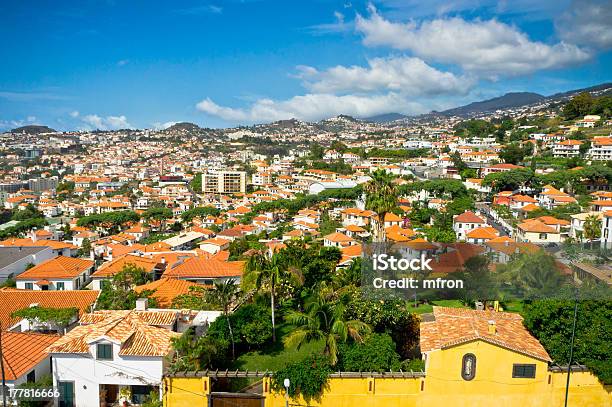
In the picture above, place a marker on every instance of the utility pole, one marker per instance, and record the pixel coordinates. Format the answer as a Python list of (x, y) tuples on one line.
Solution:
[(569, 366), (2, 368)]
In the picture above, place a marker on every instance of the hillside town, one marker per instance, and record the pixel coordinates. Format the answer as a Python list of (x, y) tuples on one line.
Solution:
[(139, 265)]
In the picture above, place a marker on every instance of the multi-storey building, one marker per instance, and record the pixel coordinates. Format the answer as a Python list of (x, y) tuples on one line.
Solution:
[(224, 182)]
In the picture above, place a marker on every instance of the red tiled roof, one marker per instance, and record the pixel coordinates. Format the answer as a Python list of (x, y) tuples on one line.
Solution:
[(12, 300), (21, 352), (456, 326), (206, 268), (59, 267)]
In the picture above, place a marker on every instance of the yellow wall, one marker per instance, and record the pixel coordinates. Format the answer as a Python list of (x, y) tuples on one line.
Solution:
[(186, 391), (443, 385)]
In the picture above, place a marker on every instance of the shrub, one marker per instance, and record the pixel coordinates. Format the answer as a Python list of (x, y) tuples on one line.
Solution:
[(308, 377), (376, 354)]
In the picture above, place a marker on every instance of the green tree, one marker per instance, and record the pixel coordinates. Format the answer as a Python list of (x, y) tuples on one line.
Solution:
[(324, 319), (578, 106), (512, 153), (158, 214), (592, 228), (307, 377), (375, 354), (551, 320), (381, 197), (266, 272), (536, 275), (316, 151), (120, 294), (224, 294), (85, 249)]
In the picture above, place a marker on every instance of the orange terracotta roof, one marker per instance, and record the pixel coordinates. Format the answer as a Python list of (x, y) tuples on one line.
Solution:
[(12, 300), (54, 244), (166, 289), (486, 233), (57, 268), (110, 268), (138, 335), (206, 268), (456, 326), (535, 226), (530, 208), (21, 352), (468, 217), (454, 260), (338, 237), (550, 220)]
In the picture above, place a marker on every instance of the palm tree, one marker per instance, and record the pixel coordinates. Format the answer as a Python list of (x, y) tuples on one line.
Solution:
[(324, 320), (266, 271), (223, 294), (381, 197), (592, 228)]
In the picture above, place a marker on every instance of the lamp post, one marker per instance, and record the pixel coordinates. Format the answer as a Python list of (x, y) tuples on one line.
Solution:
[(569, 365), (287, 383)]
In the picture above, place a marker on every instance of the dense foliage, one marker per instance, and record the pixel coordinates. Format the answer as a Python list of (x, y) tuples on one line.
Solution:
[(307, 377), (376, 354), (119, 292), (551, 322)]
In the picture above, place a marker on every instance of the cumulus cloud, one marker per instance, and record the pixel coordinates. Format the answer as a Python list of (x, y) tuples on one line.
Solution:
[(406, 75), (93, 121), (163, 126), (74, 113), (311, 107), (489, 47), (587, 23)]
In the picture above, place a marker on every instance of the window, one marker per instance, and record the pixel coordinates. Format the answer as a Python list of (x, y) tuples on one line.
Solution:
[(31, 377), (523, 371), (139, 393), (59, 286), (29, 286), (543, 236), (66, 394), (104, 351), (468, 366)]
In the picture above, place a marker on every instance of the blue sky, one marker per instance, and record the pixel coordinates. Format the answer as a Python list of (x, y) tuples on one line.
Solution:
[(110, 64)]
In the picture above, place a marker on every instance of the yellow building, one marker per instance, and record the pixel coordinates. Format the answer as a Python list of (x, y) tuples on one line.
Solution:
[(472, 358)]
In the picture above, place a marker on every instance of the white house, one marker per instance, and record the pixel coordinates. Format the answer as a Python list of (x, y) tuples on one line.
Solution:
[(59, 273), (25, 357), (466, 222), (14, 260), (215, 245), (113, 355)]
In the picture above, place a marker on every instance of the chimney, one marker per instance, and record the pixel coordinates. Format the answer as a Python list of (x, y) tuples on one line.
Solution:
[(163, 260), (492, 327), (142, 304)]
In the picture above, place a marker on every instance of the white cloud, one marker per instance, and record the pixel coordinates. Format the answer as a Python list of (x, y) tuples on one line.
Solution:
[(339, 25), (105, 123), (406, 75), (312, 107), (74, 113), (31, 119), (587, 23), (163, 126), (123, 62), (489, 47)]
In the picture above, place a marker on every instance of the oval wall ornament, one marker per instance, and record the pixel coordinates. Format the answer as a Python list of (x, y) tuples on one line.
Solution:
[(468, 366)]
